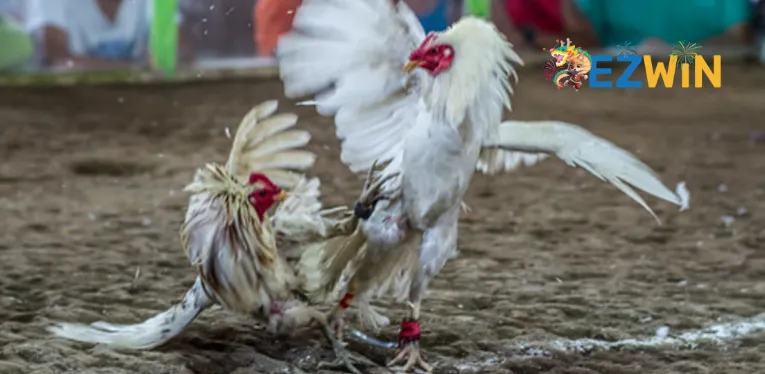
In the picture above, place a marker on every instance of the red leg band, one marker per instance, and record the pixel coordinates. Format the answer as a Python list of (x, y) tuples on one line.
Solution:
[(345, 302), (410, 332)]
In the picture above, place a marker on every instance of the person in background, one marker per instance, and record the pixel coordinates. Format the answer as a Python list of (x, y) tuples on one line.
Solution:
[(536, 24), (272, 19), (436, 15), (17, 45), (655, 25), (93, 34)]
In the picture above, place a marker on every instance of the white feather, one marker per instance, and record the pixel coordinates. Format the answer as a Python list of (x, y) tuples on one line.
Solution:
[(492, 161), (149, 334), (579, 147), (351, 53), (298, 217)]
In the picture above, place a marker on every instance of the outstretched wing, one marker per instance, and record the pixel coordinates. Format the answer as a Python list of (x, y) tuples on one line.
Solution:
[(349, 53), (494, 160), (267, 143), (579, 147)]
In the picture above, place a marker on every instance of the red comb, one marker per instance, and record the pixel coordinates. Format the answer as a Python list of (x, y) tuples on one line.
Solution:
[(258, 177), (429, 38)]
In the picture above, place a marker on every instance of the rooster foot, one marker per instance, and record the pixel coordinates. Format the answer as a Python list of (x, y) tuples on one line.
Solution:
[(409, 341), (372, 191), (343, 358), (410, 352)]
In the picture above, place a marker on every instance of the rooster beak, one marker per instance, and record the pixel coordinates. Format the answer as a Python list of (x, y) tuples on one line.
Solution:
[(411, 65), (281, 196)]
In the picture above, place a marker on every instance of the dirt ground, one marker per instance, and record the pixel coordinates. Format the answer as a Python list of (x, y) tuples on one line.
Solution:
[(90, 182)]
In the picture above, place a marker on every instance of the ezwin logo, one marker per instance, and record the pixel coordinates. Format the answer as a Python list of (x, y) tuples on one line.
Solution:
[(571, 66)]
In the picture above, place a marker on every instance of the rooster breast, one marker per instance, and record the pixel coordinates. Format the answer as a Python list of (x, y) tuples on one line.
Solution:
[(438, 162)]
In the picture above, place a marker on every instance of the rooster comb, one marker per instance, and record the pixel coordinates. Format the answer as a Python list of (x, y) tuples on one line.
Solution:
[(262, 178)]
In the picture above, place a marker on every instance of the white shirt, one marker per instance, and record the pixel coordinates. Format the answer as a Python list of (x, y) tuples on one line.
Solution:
[(90, 32)]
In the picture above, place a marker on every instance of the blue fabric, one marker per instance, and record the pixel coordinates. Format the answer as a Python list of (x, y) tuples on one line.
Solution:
[(618, 22), (438, 19), (113, 50)]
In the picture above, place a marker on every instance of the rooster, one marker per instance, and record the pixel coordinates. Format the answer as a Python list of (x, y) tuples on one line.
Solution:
[(248, 262), (430, 106)]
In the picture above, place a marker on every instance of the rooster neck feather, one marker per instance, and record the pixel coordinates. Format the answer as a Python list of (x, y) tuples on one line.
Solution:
[(241, 219), (480, 71)]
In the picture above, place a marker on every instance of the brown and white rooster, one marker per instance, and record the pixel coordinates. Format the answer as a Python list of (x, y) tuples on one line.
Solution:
[(432, 106), (249, 262)]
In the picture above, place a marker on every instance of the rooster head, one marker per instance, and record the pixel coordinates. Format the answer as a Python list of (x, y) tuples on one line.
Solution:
[(431, 55), (265, 195), (468, 62)]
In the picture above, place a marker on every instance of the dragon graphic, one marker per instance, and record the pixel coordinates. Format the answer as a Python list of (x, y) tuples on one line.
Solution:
[(568, 66)]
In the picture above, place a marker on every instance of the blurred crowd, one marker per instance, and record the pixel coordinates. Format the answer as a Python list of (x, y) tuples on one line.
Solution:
[(104, 34)]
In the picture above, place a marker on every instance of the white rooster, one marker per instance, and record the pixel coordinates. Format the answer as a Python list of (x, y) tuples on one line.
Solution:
[(248, 262), (435, 121)]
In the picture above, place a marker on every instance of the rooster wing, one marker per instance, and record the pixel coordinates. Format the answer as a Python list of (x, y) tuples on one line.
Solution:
[(579, 147), (350, 53)]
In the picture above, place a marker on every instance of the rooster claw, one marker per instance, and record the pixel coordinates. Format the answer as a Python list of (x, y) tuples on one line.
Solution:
[(374, 182), (410, 352), (346, 361), (372, 192), (343, 358)]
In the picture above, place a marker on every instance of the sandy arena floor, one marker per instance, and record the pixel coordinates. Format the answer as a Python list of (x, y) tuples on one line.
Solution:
[(90, 184)]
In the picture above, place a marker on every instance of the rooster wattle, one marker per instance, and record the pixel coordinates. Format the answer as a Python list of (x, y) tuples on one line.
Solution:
[(436, 121), (249, 262)]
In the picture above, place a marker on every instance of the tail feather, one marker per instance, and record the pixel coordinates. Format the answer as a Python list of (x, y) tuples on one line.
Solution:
[(149, 334)]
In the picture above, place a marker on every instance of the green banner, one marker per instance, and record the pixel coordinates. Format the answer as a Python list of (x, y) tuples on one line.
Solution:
[(479, 8), (17, 45), (164, 36)]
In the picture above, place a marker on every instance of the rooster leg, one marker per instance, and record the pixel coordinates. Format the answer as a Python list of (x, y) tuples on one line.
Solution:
[(337, 315), (438, 243), (409, 342), (343, 358)]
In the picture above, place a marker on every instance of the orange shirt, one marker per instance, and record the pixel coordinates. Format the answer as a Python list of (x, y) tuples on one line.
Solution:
[(272, 19)]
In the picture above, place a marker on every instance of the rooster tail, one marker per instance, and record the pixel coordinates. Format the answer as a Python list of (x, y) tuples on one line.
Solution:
[(323, 264), (267, 143), (149, 334)]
